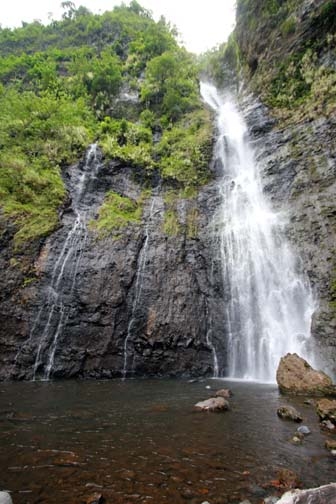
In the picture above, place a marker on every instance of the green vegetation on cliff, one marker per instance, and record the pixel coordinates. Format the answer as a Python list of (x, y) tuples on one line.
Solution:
[(287, 49), (60, 89), (116, 213)]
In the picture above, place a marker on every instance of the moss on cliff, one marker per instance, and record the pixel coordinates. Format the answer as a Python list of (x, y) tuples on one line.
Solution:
[(288, 55), (116, 213)]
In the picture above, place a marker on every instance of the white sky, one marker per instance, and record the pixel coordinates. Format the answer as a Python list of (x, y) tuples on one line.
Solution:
[(201, 23)]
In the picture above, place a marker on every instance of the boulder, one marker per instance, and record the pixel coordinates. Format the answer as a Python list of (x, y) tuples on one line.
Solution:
[(226, 393), (322, 495), (330, 444), (5, 498), (289, 413), (296, 376), (213, 404), (326, 409)]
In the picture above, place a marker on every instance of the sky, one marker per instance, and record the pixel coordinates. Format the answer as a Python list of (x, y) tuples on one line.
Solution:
[(202, 24)]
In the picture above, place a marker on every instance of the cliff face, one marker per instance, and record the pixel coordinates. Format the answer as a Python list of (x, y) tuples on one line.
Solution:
[(135, 302), (291, 66)]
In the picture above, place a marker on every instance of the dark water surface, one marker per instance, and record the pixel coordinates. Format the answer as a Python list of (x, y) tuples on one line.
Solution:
[(140, 441)]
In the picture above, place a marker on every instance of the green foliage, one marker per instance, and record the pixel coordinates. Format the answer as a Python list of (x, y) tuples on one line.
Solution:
[(192, 223), (288, 26), (222, 64), (294, 77), (184, 150), (171, 84), (182, 154), (126, 141), (171, 225), (116, 213), (303, 84), (38, 134), (59, 87)]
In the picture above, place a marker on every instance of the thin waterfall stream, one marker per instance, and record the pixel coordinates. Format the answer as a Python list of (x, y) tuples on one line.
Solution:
[(54, 313), (138, 287), (270, 303)]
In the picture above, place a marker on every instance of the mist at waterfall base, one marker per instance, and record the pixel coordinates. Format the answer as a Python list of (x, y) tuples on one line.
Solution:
[(140, 441), (270, 304)]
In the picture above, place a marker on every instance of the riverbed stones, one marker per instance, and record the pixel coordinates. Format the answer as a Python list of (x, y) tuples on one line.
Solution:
[(226, 393), (272, 499), (330, 444), (212, 404), (325, 494), (95, 498), (5, 498), (288, 479), (297, 439), (303, 429), (326, 409), (289, 413), (328, 426), (295, 376)]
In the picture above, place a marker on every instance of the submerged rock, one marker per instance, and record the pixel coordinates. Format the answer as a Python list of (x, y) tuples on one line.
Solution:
[(95, 498), (327, 425), (297, 439), (288, 478), (296, 376), (322, 495), (289, 413), (272, 499), (226, 393), (212, 404), (330, 444), (303, 429), (326, 409)]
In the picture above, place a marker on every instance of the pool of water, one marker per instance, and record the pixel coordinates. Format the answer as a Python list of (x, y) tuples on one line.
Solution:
[(139, 441)]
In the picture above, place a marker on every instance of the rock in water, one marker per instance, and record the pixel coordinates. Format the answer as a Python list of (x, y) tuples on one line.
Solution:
[(326, 409), (330, 444), (5, 498), (212, 404), (289, 413), (226, 393), (322, 495), (288, 479), (296, 376), (303, 429)]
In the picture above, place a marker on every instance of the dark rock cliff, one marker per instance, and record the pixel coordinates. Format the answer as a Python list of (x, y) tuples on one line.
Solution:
[(135, 303)]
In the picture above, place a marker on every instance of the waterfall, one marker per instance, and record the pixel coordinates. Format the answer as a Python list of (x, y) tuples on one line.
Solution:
[(269, 306), (56, 309), (138, 285)]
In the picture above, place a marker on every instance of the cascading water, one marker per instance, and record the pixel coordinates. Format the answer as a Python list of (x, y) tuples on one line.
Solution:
[(270, 304), (54, 314), (138, 286)]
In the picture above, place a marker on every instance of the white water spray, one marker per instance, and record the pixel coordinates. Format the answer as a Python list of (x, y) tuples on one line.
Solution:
[(270, 305)]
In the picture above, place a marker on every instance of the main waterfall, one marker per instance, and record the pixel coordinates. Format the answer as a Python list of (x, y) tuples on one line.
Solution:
[(269, 306)]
